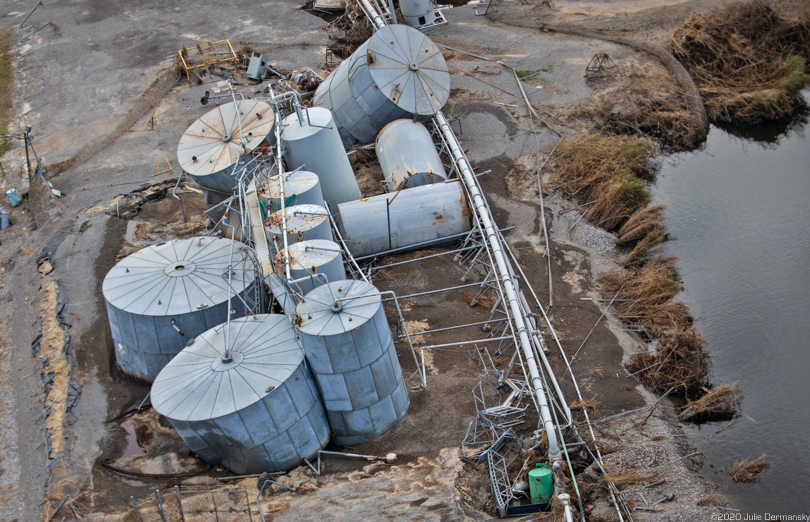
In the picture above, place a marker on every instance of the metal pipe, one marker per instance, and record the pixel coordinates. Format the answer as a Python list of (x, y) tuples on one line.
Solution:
[(460, 343), (180, 503), (426, 332), (481, 208), (373, 15), (174, 193), (29, 14), (59, 507), (34, 94), (415, 245), (26, 82)]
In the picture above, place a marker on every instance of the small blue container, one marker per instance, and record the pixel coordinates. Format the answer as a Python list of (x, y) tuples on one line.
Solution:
[(12, 196), (3, 219)]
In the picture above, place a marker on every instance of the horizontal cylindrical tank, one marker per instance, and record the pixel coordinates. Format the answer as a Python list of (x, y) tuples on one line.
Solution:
[(216, 147), (418, 217), (397, 73), (255, 409), (417, 12), (301, 187), (304, 222), (312, 141), (406, 153), (349, 347), (308, 258), (162, 296)]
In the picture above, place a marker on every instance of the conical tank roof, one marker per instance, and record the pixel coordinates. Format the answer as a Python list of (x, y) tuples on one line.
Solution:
[(223, 135), (199, 384), (338, 307), (408, 69), (178, 277)]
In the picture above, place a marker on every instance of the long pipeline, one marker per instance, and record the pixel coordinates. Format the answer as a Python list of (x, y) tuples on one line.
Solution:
[(481, 208)]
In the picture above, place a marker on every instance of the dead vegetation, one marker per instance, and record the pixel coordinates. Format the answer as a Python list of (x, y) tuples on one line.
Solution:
[(722, 403), (748, 62), (611, 172), (347, 34), (645, 103), (749, 470), (645, 294), (626, 479), (679, 362)]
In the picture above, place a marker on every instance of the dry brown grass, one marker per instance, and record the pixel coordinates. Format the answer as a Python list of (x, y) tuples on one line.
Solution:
[(719, 404), (749, 470), (626, 479), (649, 104), (610, 170), (589, 404), (641, 224), (648, 291), (680, 362), (748, 62)]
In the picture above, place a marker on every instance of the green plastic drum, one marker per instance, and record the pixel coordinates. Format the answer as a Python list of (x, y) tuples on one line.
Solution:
[(540, 484)]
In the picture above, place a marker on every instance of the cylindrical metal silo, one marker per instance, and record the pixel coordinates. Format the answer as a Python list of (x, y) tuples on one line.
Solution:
[(407, 153), (301, 187), (417, 217), (252, 410), (311, 140), (417, 12), (216, 147), (308, 258), (162, 296), (304, 222), (397, 73), (349, 347)]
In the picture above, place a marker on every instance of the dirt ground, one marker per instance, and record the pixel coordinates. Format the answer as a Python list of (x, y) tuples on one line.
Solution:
[(84, 233)]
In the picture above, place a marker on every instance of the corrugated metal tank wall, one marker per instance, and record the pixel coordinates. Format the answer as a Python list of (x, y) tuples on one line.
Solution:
[(312, 141), (308, 258), (407, 155), (301, 187), (257, 412), (397, 73), (304, 222), (349, 347), (419, 216), (162, 290)]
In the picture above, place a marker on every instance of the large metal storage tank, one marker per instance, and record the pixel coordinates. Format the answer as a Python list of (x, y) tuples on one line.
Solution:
[(417, 12), (397, 73), (308, 258), (349, 347), (256, 409), (181, 286), (417, 217), (406, 153), (304, 222), (301, 187), (312, 141), (216, 147)]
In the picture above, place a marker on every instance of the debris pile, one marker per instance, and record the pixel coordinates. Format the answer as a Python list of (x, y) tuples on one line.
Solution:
[(719, 404), (748, 62), (749, 470)]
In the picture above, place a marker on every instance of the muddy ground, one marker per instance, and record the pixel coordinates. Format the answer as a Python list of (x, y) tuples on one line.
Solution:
[(104, 59)]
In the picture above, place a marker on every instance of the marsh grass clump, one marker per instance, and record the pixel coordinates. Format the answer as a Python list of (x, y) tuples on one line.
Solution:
[(748, 62), (646, 293), (749, 470), (679, 361), (610, 170), (721, 403)]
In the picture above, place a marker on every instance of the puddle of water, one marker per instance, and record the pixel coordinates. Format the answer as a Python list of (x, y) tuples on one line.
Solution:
[(138, 437)]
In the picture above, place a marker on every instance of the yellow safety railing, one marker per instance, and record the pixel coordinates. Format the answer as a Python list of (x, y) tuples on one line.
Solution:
[(210, 53)]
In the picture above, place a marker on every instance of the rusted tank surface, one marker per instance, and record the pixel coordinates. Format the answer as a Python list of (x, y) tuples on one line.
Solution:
[(416, 217), (301, 187), (216, 147), (304, 222), (407, 156), (308, 260)]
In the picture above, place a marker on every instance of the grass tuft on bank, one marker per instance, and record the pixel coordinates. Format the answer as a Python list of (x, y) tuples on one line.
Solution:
[(748, 62)]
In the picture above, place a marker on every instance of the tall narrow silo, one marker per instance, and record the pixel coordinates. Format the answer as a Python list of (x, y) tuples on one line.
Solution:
[(349, 347), (304, 222), (215, 148), (164, 295), (252, 408), (414, 217), (309, 258), (301, 187), (397, 73), (312, 141), (407, 155)]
